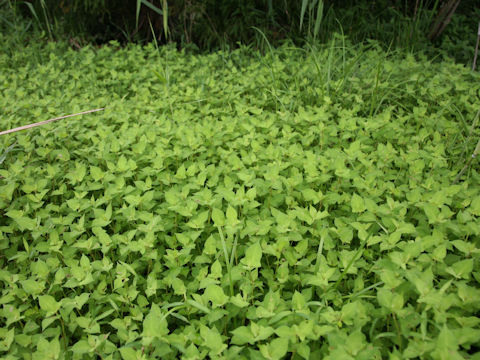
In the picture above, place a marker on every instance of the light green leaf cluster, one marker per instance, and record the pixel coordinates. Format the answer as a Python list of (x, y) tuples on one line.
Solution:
[(296, 204)]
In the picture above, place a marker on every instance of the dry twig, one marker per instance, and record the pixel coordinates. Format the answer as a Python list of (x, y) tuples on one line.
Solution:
[(25, 127)]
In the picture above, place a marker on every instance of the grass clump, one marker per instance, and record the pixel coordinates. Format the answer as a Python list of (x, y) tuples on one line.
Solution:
[(294, 204)]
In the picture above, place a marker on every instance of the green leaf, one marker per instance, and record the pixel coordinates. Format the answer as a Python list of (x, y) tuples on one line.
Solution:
[(475, 206), (48, 304), (231, 216), (46, 322), (432, 213), (461, 269), (81, 347), (128, 353), (303, 350), (357, 203), (215, 294), (14, 214), (276, 349), (390, 300), (298, 301), (25, 223), (212, 339), (7, 340), (32, 287), (253, 256), (218, 217), (199, 220), (155, 324), (237, 300), (96, 173), (260, 332), (446, 344), (178, 287), (242, 335)]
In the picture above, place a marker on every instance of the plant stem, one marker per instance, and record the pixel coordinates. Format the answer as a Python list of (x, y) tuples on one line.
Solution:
[(227, 262), (474, 65)]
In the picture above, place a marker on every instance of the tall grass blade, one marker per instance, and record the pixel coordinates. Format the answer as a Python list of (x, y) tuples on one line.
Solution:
[(317, 66), (47, 21), (233, 254), (270, 10), (319, 254), (165, 18), (199, 306), (329, 70), (9, 149), (264, 38), (159, 11), (151, 6), (32, 10), (137, 13), (155, 42), (318, 19), (302, 12)]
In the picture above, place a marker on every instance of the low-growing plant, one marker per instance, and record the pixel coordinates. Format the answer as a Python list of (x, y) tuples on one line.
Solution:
[(298, 205)]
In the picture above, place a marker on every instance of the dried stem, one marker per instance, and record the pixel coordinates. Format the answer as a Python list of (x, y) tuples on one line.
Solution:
[(443, 18), (25, 127), (476, 49)]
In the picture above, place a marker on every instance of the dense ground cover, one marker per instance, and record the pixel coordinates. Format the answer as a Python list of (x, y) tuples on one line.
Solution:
[(297, 204)]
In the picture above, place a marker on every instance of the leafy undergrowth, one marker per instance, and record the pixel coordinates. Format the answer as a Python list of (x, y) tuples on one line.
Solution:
[(233, 205)]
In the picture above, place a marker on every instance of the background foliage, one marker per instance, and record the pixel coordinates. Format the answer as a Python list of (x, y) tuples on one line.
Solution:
[(213, 24)]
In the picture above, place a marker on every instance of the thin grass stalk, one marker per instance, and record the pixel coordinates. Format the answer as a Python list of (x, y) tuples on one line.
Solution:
[(165, 18), (329, 69), (34, 13), (319, 254), (9, 149), (47, 21), (363, 291), (467, 165), (374, 91), (302, 12), (317, 66), (137, 13)]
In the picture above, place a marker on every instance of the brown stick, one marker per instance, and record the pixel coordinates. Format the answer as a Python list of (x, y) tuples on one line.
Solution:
[(448, 18), (414, 17), (47, 121), (440, 16), (474, 65), (443, 18)]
